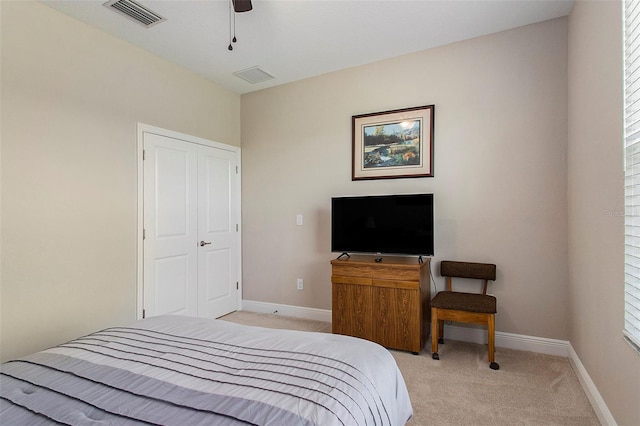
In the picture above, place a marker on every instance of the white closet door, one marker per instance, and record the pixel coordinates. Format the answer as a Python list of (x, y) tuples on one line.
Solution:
[(170, 212), (217, 221)]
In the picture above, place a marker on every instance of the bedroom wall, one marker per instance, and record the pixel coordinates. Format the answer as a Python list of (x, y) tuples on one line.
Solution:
[(71, 99), (500, 169), (596, 207)]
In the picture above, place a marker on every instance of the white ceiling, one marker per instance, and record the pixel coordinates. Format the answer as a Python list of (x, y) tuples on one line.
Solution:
[(296, 39)]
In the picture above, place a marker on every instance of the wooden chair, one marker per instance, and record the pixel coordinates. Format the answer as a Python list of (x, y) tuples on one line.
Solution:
[(474, 308)]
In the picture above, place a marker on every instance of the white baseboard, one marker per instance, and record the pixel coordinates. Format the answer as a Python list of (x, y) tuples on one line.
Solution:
[(286, 310), (519, 342), (598, 404), (466, 334)]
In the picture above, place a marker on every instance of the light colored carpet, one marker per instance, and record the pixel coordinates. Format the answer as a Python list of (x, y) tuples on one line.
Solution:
[(461, 389)]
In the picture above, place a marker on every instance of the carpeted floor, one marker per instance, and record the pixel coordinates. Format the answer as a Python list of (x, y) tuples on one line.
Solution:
[(461, 389)]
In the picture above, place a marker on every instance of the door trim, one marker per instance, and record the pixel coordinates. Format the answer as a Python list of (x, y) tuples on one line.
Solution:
[(141, 130)]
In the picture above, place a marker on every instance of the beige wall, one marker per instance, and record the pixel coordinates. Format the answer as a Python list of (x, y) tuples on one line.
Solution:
[(71, 98), (596, 207), (500, 169)]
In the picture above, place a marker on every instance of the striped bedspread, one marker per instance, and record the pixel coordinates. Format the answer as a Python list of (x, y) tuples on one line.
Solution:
[(174, 370)]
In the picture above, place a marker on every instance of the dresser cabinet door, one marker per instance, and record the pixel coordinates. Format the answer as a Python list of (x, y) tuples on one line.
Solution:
[(352, 304), (396, 323)]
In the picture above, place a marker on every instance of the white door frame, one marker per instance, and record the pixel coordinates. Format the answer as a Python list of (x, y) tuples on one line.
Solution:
[(145, 128)]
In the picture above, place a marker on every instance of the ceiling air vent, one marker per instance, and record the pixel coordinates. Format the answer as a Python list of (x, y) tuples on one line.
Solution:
[(254, 75), (136, 11)]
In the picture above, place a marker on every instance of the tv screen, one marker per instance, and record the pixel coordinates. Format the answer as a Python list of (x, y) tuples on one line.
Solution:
[(388, 224)]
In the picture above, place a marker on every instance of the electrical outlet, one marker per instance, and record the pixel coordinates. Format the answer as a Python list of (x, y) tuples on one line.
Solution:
[(300, 284), (299, 219)]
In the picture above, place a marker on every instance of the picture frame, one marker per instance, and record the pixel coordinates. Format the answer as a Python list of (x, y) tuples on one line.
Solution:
[(393, 144)]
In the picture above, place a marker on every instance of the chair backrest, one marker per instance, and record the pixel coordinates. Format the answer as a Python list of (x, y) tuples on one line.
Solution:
[(482, 271)]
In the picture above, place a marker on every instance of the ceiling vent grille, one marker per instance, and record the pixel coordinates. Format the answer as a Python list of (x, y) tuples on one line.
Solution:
[(135, 11), (254, 75)]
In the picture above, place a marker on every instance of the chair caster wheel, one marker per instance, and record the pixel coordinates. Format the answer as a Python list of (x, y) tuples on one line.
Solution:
[(435, 355), (494, 366), (441, 341)]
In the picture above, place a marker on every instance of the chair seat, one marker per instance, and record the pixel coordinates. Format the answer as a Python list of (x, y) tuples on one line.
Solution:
[(471, 302)]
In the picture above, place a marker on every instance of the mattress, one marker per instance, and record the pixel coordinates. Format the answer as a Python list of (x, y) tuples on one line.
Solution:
[(175, 370)]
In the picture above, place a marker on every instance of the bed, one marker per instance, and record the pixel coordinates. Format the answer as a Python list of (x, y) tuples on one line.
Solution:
[(175, 370)]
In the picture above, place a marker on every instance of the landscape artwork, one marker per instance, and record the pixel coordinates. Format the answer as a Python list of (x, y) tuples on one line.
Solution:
[(393, 144)]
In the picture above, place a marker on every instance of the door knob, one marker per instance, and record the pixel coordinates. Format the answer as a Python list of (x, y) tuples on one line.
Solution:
[(203, 243)]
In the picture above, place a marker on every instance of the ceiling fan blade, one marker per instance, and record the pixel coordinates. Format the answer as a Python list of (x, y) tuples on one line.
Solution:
[(242, 5)]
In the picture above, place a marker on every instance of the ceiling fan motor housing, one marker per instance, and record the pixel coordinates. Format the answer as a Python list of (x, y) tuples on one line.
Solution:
[(242, 5)]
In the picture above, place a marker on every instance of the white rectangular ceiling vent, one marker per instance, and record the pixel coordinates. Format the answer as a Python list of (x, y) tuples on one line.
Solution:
[(254, 75), (135, 11)]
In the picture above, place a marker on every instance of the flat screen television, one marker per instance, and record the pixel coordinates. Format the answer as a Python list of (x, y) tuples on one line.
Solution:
[(385, 224)]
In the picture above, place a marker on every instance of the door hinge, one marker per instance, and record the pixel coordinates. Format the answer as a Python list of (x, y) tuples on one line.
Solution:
[(144, 234), (236, 169), (236, 227), (144, 154), (237, 285), (144, 313)]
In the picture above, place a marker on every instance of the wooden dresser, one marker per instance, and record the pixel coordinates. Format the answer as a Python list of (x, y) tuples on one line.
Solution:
[(387, 302)]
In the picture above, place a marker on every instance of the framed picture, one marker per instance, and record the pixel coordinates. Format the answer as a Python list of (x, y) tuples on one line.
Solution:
[(393, 144)]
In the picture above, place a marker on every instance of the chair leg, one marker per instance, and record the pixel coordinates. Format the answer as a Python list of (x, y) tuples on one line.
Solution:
[(441, 332), (491, 326), (434, 333)]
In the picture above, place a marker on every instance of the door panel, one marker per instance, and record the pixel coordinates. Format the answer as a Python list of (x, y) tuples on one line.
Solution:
[(217, 262), (351, 313), (170, 252), (217, 275), (172, 291), (217, 193), (396, 316), (173, 181)]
